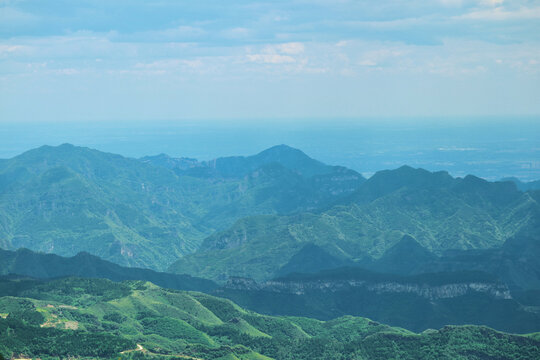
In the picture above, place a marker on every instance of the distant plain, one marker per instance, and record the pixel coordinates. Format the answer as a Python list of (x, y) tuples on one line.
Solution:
[(491, 148)]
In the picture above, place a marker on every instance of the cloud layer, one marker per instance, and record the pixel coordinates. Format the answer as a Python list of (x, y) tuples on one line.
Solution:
[(98, 59)]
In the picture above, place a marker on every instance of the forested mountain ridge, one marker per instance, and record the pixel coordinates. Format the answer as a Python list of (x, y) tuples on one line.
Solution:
[(68, 199), (25, 262), (524, 186), (417, 302), (99, 319), (439, 211), (516, 263), (240, 166), (446, 290)]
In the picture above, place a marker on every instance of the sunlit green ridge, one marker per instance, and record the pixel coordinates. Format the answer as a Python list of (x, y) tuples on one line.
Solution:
[(65, 318)]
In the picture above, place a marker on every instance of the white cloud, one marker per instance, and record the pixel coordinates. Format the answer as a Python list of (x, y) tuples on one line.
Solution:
[(10, 16), (377, 56), (491, 2), (67, 71), (11, 49), (367, 62), (501, 14), (236, 33), (171, 66), (291, 48), (270, 58), (285, 53), (451, 3)]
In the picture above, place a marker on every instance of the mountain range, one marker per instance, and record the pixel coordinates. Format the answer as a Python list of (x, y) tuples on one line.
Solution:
[(441, 212), (461, 295), (278, 233), (143, 212), (49, 266)]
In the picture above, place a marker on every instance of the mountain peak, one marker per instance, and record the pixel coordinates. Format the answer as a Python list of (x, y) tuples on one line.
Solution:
[(283, 153), (286, 156), (282, 149), (65, 150), (292, 159), (523, 186), (404, 256), (61, 147), (311, 259), (407, 243), (388, 181)]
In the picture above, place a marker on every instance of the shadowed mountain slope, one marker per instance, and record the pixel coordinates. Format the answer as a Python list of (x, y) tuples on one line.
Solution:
[(440, 212), (312, 259), (417, 302), (43, 266), (524, 186)]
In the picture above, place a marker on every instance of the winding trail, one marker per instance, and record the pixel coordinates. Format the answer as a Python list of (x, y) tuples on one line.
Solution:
[(145, 351)]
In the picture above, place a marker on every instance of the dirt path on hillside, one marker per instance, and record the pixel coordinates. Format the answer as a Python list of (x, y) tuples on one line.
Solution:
[(145, 351)]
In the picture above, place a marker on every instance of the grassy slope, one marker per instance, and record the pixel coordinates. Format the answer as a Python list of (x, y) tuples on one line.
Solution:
[(201, 326)]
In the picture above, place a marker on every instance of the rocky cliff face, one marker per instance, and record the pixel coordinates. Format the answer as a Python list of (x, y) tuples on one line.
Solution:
[(444, 291)]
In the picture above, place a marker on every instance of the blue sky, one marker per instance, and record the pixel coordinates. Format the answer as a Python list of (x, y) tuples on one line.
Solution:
[(98, 60)]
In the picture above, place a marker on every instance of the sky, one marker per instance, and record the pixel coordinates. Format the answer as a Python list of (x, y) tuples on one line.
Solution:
[(103, 60)]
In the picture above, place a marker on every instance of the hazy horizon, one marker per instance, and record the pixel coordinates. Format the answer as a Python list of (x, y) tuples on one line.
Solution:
[(492, 150), (445, 85)]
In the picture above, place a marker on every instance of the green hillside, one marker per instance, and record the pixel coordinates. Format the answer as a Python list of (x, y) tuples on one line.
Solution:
[(439, 211), (92, 318), (442, 292), (69, 199)]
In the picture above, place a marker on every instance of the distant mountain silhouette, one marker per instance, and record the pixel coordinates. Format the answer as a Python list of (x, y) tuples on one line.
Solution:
[(524, 186), (44, 266)]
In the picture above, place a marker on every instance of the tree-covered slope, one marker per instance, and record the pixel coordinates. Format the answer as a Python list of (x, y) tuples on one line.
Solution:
[(458, 294), (516, 263), (99, 319), (417, 302), (44, 266), (240, 166), (524, 186), (69, 199), (439, 211)]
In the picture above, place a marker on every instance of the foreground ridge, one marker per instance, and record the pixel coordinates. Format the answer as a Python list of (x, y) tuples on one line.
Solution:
[(70, 317)]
